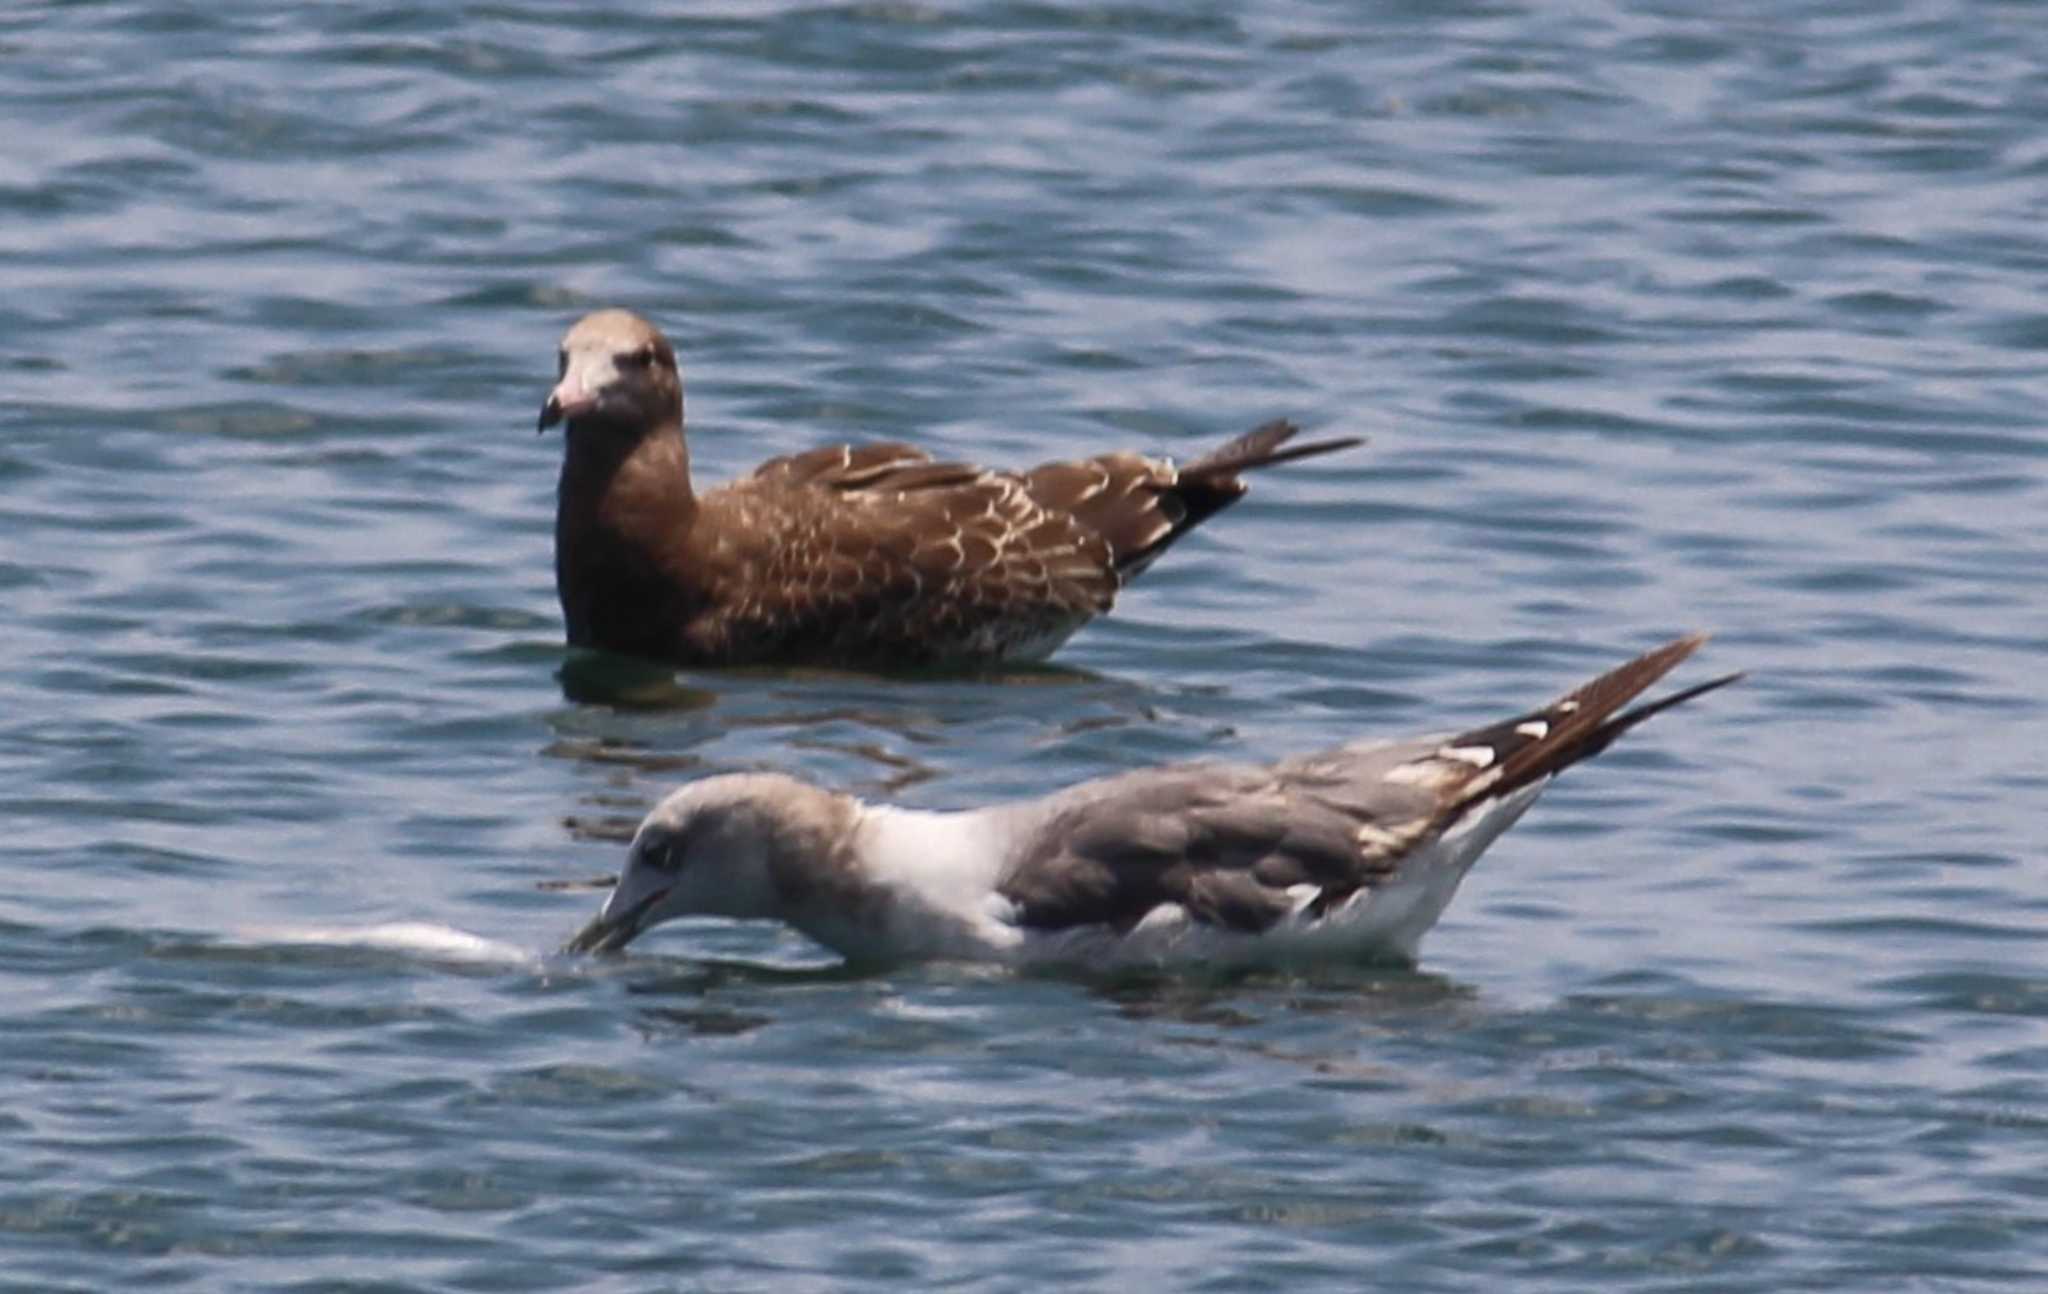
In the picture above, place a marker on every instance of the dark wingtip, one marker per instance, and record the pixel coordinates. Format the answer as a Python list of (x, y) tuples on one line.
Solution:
[(1587, 720), (1261, 447), (1310, 450), (1630, 718)]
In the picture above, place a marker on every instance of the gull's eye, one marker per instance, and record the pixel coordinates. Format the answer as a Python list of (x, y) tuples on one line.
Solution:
[(663, 855), (637, 359), (561, 363)]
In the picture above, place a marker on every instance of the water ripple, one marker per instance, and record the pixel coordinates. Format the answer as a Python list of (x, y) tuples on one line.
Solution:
[(1657, 319)]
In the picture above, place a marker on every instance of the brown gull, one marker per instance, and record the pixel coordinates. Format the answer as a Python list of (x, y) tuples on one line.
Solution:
[(1349, 854), (869, 556)]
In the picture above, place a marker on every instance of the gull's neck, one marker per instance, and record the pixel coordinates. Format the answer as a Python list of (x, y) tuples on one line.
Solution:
[(912, 884), (612, 479), (623, 516)]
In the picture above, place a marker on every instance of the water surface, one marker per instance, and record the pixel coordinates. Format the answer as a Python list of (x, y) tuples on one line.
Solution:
[(1658, 319)]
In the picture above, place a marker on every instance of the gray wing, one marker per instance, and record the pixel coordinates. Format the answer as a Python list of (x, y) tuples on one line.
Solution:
[(1231, 844), (1227, 843)]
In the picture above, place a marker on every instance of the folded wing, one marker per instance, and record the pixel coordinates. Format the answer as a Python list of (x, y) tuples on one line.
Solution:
[(1234, 846)]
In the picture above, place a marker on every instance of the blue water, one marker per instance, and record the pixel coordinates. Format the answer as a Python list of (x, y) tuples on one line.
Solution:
[(1659, 318)]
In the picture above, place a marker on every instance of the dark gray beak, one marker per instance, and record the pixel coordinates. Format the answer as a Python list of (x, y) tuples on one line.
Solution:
[(609, 931)]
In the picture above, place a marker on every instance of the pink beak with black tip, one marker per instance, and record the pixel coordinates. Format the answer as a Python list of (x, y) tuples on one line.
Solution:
[(567, 402)]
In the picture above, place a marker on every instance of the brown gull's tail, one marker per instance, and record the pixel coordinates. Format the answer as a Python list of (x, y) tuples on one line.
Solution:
[(1142, 506)]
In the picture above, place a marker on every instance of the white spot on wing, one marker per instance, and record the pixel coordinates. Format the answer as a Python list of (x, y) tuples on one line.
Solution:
[(1534, 728), (1429, 773), (1159, 531), (1476, 756), (1381, 839), (1164, 917)]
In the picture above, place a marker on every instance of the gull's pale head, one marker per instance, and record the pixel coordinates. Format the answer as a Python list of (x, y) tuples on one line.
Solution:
[(720, 847), (616, 370)]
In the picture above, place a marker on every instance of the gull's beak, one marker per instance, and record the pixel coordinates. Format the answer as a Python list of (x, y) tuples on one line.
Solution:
[(618, 923), (569, 399)]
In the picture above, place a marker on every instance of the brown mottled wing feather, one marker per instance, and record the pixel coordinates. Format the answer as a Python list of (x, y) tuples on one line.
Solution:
[(839, 466), (1140, 506), (1227, 843), (877, 553)]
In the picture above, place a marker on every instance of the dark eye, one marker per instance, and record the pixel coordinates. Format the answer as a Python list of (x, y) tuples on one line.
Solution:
[(561, 364), (638, 359), (664, 853)]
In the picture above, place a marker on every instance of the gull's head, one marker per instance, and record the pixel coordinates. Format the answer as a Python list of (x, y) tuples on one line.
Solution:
[(616, 370), (720, 847)]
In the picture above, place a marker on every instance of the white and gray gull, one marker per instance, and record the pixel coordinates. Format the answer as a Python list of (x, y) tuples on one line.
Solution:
[(1349, 854)]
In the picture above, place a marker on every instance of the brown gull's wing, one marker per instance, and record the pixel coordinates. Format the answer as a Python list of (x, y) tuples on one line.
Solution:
[(1141, 506), (840, 467), (878, 550)]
